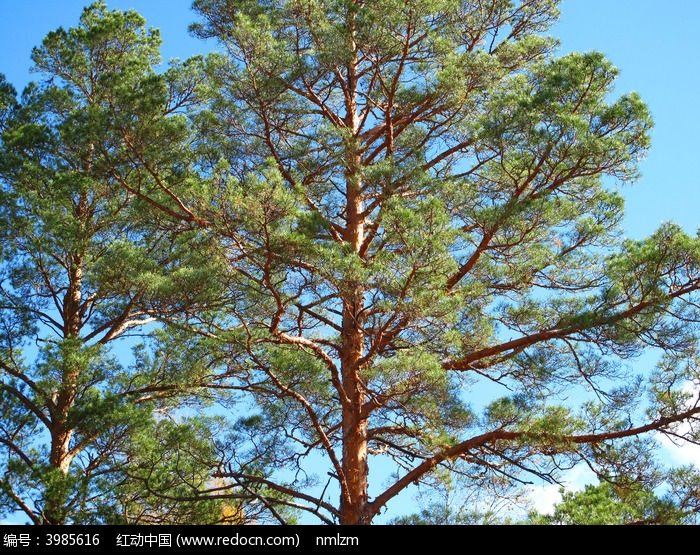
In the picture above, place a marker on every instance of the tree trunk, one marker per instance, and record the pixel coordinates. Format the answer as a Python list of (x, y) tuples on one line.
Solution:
[(57, 492), (353, 502)]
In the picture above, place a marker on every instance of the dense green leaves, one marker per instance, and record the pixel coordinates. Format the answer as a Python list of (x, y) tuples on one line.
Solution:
[(610, 504), (84, 265)]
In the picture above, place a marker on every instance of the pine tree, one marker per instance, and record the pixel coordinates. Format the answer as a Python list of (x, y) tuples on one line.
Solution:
[(419, 204), (83, 265)]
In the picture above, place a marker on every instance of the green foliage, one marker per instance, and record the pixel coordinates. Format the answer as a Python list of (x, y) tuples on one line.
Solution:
[(417, 202), (163, 478), (609, 504), (83, 264)]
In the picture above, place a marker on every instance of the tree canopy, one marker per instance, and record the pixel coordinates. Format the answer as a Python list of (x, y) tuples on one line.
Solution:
[(382, 237), (83, 266)]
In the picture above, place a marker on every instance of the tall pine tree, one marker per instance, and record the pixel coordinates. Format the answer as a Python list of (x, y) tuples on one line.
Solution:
[(418, 203), (84, 265)]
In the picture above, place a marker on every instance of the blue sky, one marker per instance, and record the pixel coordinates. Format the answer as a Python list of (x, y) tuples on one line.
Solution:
[(655, 45)]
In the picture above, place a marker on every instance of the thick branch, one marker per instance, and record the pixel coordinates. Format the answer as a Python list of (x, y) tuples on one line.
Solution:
[(279, 488), (21, 454), (517, 345), (504, 435), (28, 403), (22, 505)]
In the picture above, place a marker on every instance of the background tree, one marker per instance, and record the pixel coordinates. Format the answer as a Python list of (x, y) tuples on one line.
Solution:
[(82, 266), (447, 498), (634, 488), (417, 203), (607, 504)]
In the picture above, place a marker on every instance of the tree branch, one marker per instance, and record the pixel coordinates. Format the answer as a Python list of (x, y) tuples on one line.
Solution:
[(517, 345), (279, 488), (504, 435), (22, 505)]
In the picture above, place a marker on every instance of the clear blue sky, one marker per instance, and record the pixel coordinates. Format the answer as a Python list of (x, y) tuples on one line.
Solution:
[(655, 44)]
